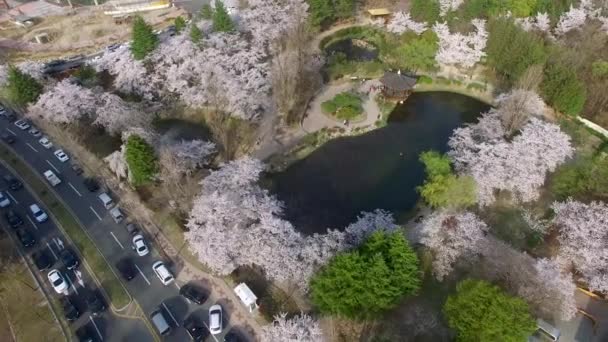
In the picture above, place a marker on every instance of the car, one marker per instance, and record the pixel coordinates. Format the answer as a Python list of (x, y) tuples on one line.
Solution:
[(4, 201), (70, 310), (42, 260), (62, 156), (159, 320), (91, 184), (77, 169), (51, 177), (12, 182), (8, 138), (126, 267), (196, 329), (14, 220), (45, 142), (194, 293), (132, 228), (22, 124), (87, 333), (95, 302), (69, 259), (26, 238), (34, 131), (58, 281), (233, 336), (38, 213), (139, 244), (215, 319), (54, 63), (163, 273)]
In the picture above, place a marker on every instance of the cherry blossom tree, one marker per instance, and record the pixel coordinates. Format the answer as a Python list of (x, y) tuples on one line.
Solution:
[(516, 107), (116, 115), (65, 103), (541, 22), (402, 21), (451, 236), (571, 20), (302, 328), (583, 232), (463, 50), (117, 163), (32, 68), (185, 156), (3, 75), (446, 6)]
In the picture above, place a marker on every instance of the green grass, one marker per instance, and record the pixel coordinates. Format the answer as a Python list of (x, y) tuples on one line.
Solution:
[(386, 108), (102, 271)]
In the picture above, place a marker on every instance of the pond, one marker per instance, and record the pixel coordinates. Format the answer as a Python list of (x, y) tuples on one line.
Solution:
[(353, 50), (178, 129), (379, 169)]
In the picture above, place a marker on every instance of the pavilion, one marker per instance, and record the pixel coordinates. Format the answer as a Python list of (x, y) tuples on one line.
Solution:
[(396, 86)]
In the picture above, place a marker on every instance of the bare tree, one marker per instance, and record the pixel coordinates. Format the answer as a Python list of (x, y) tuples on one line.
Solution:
[(531, 78)]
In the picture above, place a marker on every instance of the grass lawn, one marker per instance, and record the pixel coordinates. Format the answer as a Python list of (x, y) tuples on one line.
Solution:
[(113, 287)]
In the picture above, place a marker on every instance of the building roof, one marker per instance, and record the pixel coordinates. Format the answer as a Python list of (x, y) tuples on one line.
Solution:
[(378, 11), (397, 81)]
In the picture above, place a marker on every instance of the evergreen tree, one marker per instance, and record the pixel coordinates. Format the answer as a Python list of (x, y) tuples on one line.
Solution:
[(221, 19), (144, 39), (207, 12), (141, 160), (320, 12), (195, 34), (344, 8), (562, 89), (180, 24), (22, 88)]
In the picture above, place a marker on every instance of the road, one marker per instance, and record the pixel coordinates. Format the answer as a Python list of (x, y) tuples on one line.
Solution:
[(111, 238)]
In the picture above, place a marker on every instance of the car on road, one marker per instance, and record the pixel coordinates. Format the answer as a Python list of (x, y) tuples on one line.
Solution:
[(58, 281), (62, 156), (34, 131), (215, 319), (95, 302), (106, 200), (26, 237), (14, 220), (91, 184), (196, 329), (69, 259), (42, 260), (132, 228), (163, 273), (12, 182), (70, 310), (194, 293), (159, 320), (77, 169), (8, 138), (139, 244), (4, 201), (22, 124), (51, 177), (126, 267), (45, 142), (116, 214), (38, 213)]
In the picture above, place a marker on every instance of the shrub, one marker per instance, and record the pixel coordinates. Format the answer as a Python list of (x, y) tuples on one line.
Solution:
[(328, 107), (425, 10), (562, 89), (476, 86), (585, 178), (425, 79), (179, 23)]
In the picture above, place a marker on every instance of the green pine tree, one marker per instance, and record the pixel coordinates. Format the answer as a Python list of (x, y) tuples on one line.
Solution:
[(195, 34), (321, 12), (22, 88), (141, 160), (144, 39), (221, 19), (179, 23), (207, 12)]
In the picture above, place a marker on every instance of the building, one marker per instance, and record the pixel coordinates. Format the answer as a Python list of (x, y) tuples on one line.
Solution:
[(121, 7), (396, 86), (379, 14)]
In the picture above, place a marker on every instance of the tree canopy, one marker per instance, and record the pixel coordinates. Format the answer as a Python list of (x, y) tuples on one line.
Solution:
[(195, 34), (364, 282), (419, 53), (562, 89), (324, 12), (480, 311), (207, 12), (144, 39), (141, 160), (22, 88), (179, 23), (221, 19)]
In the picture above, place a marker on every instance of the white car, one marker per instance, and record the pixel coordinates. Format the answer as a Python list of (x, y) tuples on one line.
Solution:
[(163, 273), (35, 132), (4, 201), (38, 213), (139, 244), (58, 281), (215, 319), (22, 124), (62, 156), (45, 142)]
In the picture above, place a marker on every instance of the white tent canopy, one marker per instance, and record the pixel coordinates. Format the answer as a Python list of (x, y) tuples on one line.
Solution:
[(246, 296)]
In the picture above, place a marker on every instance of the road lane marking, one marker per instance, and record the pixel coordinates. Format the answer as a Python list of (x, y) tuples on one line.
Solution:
[(32, 147), (142, 274), (73, 188), (116, 239), (13, 133), (11, 196), (96, 328), (58, 243), (71, 284), (175, 283), (31, 221), (53, 166), (53, 252), (96, 214), (170, 314)]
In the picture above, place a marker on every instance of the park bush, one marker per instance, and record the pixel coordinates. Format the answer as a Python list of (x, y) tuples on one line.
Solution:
[(476, 86), (425, 79), (323, 13), (583, 179), (345, 106), (562, 89), (425, 10)]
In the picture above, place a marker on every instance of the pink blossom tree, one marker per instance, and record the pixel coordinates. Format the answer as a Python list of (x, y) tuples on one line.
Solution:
[(302, 328), (116, 115), (446, 6), (65, 103), (3, 75), (32, 68), (571, 20), (117, 163), (459, 49), (402, 21)]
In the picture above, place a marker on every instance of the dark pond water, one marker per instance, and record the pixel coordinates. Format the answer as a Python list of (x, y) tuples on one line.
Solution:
[(182, 129), (379, 169), (355, 50)]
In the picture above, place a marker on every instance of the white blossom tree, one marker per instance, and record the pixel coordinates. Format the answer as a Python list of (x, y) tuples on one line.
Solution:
[(402, 21), (3, 75), (185, 156), (540, 22), (571, 20), (302, 328), (117, 163), (516, 107), (32, 68), (115, 115), (459, 49), (65, 103), (446, 6)]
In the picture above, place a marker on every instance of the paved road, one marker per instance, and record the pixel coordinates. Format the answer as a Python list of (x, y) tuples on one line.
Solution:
[(112, 239)]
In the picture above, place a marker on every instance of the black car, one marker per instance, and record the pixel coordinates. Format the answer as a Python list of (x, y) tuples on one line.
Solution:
[(194, 293), (197, 331), (42, 260), (12, 182), (8, 138), (95, 302), (233, 336), (69, 309), (91, 184), (14, 220), (87, 333), (126, 267), (69, 259), (26, 237)]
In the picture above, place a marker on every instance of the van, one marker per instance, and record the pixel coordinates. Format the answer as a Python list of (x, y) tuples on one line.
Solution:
[(160, 322), (162, 272), (116, 215), (106, 200)]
